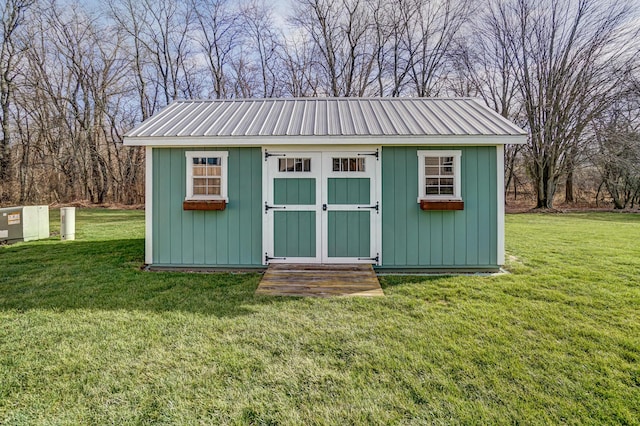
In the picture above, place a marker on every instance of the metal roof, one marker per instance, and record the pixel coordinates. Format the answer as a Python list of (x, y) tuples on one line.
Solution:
[(329, 117)]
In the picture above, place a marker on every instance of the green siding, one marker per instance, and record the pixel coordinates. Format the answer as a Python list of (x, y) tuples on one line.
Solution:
[(348, 190), (349, 234), (439, 239), (410, 237), (294, 191), (229, 237), (294, 234)]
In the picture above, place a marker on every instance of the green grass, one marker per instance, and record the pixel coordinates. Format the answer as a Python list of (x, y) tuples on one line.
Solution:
[(88, 338)]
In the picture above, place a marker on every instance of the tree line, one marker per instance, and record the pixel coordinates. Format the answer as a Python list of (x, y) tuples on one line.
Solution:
[(75, 77)]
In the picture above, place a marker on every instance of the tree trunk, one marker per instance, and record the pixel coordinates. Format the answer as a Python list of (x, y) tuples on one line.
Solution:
[(568, 189), (5, 160), (546, 188)]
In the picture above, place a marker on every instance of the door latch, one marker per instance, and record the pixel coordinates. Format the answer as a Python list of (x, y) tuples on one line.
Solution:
[(268, 207), (376, 207), (268, 258), (324, 207)]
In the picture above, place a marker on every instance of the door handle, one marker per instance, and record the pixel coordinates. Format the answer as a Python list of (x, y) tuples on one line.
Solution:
[(324, 207), (376, 207), (268, 207)]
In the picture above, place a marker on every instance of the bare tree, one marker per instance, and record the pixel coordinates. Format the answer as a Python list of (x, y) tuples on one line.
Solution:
[(568, 57), (616, 148), (485, 69), (219, 35), (264, 44), (298, 57), (10, 55), (431, 34), (343, 32)]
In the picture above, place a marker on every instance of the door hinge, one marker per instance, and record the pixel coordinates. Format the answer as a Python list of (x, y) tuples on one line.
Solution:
[(373, 154), (376, 259), (268, 207), (267, 154), (267, 258), (376, 207)]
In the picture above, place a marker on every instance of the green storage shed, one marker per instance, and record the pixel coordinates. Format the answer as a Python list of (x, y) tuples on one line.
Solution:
[(406, 184)]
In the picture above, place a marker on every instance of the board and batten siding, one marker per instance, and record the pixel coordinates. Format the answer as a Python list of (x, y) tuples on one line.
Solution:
[(231, 237), (413, 238)]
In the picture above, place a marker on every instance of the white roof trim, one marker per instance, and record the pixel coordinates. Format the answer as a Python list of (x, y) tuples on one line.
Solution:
[(323, 140)]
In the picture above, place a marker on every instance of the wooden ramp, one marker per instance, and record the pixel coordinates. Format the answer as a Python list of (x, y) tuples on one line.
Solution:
[(319, 280)]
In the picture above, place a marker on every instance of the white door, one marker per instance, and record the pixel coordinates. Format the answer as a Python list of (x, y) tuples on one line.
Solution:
[(351, 207), (292, 207)]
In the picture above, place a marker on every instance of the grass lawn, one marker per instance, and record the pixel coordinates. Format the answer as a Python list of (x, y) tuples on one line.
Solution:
[(87, 338)]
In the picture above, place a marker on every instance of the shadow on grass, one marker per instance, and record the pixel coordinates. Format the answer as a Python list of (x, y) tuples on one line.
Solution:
[(389, 281), (106, 275)]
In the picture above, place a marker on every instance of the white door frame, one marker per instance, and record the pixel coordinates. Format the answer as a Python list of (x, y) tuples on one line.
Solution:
[(270, 157)]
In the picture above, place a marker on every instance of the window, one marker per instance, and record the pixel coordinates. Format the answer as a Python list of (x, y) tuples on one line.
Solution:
[(207, 175), (348, 164), (439, 175), (294, 165)]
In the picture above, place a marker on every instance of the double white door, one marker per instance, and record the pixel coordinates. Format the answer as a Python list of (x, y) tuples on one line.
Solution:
[(322, 207)]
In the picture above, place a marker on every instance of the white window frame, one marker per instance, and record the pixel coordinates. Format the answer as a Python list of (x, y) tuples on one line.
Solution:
[(224, 156), (457, 155)]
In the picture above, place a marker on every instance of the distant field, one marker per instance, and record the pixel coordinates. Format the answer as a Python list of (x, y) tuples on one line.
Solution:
[(88, 338)]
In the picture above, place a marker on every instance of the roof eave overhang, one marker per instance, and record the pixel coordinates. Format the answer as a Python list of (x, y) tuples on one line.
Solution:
[(183, 141)]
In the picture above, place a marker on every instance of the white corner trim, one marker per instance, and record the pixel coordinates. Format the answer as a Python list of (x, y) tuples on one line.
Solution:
[(500, 197), (267, 225), (378, 217), (148, 206)]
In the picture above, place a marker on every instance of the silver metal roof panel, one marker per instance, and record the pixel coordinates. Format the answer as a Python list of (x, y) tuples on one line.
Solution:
[(347, 117)]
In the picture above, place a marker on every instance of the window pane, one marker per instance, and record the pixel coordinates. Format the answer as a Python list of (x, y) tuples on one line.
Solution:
[(432, 161), (433, 181), (446, 181), (431, 171), (294, 164), (354, 164), (446, 190), (198, 170), (432, 190)]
